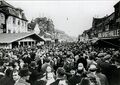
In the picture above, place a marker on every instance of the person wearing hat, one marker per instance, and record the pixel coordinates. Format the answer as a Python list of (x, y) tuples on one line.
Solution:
[(102, 77), (44, 66), (115, 72), (41, 80), (24, 75), (34, 72), (94, 79), (60, 77), (75, 79)]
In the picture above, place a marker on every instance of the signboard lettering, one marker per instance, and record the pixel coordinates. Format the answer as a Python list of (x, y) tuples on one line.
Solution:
[(113, 33)]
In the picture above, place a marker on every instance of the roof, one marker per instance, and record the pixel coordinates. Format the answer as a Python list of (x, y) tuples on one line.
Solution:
[(46, 39), (97, 21), (117, 3), (12, 37), (8, 9), (5, 4), (106, 19)]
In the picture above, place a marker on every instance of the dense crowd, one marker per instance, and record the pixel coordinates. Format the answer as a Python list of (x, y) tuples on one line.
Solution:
[(60, 64)]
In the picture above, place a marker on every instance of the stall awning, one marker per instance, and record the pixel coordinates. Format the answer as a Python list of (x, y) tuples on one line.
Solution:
[(108, 42)]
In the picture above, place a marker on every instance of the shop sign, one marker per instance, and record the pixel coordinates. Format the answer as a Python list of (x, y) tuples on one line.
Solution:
[(113, 33)]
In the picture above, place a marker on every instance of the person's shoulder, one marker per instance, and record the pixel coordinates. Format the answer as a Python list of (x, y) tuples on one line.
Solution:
[(71, 78), (4, 79), (44, 64), (21, 82), (101, 74), (55, 82), (40, 82), (85, 79)]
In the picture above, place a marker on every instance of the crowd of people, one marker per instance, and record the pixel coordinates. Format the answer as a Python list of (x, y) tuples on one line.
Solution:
[(60, 64)]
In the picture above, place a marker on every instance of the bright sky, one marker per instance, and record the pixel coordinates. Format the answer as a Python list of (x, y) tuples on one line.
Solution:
[(73, 17)]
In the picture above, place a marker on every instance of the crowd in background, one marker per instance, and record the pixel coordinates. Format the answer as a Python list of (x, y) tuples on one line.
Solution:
[(60, 64)]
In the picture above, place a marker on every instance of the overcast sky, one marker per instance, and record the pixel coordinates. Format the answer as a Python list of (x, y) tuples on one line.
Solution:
[(73, 17)]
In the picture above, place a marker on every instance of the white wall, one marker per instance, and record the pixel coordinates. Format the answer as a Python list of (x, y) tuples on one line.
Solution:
[(2, 21), (2, 18), (15, 27)]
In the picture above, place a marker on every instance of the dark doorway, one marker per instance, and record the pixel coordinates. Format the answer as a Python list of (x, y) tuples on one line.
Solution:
[(14, 44)]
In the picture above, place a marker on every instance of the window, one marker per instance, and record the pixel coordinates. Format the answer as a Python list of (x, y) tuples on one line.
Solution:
[(14, 31), (9, 31), (2, 16), (14, 20), (18, 22), (107, 28), (22, 23), (25, 23)]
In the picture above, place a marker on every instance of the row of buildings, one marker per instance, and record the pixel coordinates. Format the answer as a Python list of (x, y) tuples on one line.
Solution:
[(105, 29), (14, 28)]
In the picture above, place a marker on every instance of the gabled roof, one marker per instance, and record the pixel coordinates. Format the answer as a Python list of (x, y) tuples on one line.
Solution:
[(12, 37), (46, 39), (5, 4), (10, 10), (117, 4)]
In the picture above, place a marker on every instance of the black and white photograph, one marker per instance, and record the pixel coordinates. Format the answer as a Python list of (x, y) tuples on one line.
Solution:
[(59, 42)]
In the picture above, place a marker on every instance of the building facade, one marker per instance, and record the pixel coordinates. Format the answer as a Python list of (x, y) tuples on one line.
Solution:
[(107, 27), (84, 37), (12, 20), (13, 28), (15, 40)]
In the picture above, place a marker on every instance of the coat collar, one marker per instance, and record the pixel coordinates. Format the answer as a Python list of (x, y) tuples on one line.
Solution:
[(23, 81)]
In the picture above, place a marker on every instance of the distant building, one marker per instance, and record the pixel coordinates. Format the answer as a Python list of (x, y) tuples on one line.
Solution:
[(84, 37), (106, 29), (81, 38), (13, 19), (13, 28), (13, 40)]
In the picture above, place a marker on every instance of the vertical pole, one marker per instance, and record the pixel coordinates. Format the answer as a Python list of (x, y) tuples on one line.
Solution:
[(23, 44), (27, 43)]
